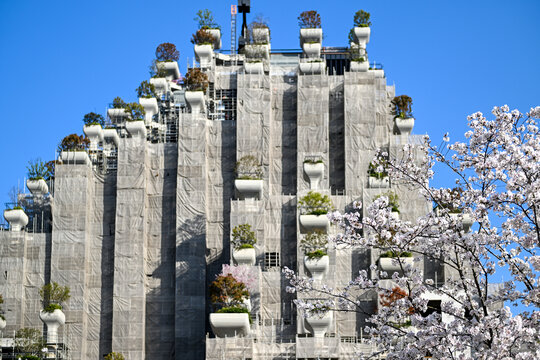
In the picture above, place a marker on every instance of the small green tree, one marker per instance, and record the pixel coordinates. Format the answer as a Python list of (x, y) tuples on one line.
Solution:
[(315, 203), (361, 19), (205, 19), (146, 90), (314, 244), (226, 291), (243, 237), (114, 356), (93, 119), (74, 142), (167, 52), (51, 168), (29, 341), (196, 80), (309, 20), (37, 169), (135, 111), (118, 103), (53, 295), (402, 106)]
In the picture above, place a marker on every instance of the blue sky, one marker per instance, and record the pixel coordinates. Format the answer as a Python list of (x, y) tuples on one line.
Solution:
[(62, 59)]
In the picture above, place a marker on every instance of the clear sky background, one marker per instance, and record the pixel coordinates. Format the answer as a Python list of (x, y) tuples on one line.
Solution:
[(62, 59)]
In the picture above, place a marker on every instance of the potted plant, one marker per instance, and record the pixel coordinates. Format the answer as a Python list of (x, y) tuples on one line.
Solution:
[(393, 203), (391, 261), (16, 218), (93, 129), (114, 356), (232, 318), (318, 322), (378, 175), (359, 61), (454, 210), (52, 296), (313, 210), (310, 27), (147, 98), (249, 176), (377, 70), (196, 83), (242, 240), (259, 31), (362, 28), (2, 318), (314, 169), (37, 174), (402, 111), (135, 123), (116, 111), (206, 21), (73, 148), (316, 260), (165, 64), (203, 47)]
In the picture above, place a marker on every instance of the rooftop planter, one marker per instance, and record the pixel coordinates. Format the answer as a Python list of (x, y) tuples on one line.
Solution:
[(111, 135), (243, 239), (135, 124), (314, 208), (390, 261), (314, 170), (196, 82), (73, 150), (312, 49), (318, 325), (150, 106), (52, 296), (402, 111), (378, 176), (316, 260), (378, 73), (203, 47), (257, 52), (310, 27), (93, 124), (195, 100), (38, 187), (229, 295), (359, 65), (362, 27), (37, 173), (249, 182), (206, 21), (74, 157), (16, 218), (170, 69), (161, 85), (216, 34), (312, 67), (165, 62), (254, 67)]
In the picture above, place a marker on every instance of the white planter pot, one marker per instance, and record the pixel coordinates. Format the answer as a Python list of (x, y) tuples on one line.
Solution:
[(254, 68), (37, 187), (310, 35), (117, 115), (244, 256), (315, 173), (261, 35), (171, 69), (195, 100), (230, 325), (314, 222), (136, 128), (257, 51), (387, 264), (466, 220), (379, 73), (112, 135), (317, 267), (216, 34), (94, 134), (2, 324), (53, 321), (17, 219), (203, 54), (312, 50), (75, 157), (150, 106), (318, 326), (375, 183), (404, 126), (362, 35), (357, 66), (249, 188), (312, 68), (161, 85)]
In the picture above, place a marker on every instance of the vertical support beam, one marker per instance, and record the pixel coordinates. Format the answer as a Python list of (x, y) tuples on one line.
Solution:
[(129, 299), (74, 185), (190, 296)]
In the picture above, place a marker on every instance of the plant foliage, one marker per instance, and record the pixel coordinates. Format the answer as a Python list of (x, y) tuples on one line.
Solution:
[(93, 119), (402, 106), (74, 142), (315, 203), (136, 111), (226, 291), (309, 20), (118, 103), (114, 356), (167, 52), (361, 19), (53, 294), (37, 169), (248, 168), (314, 244), (29, 341), (206, 20), (243, 237), (146, 90), (196, 80), (202, 37)]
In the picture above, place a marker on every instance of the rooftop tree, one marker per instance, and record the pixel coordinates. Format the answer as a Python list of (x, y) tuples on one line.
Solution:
[(498, 172), (167, 52)]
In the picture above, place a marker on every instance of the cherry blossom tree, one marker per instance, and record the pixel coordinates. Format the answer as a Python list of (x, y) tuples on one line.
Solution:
[(497, 189)]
